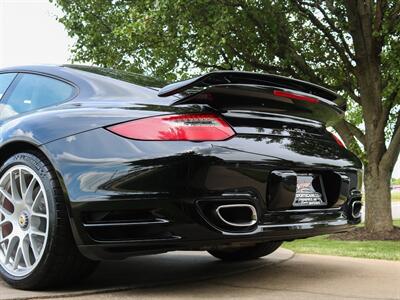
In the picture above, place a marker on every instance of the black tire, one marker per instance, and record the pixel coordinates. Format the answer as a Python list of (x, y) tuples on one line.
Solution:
[(245, 253), (61, 263)]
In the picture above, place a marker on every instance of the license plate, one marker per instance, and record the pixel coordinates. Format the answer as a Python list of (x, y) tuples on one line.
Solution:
[(309, 191)]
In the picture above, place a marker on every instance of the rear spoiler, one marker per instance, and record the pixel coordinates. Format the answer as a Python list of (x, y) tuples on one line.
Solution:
[(199, 84)]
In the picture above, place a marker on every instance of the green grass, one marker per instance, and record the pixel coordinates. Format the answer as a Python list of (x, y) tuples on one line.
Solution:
[(396, 196), (389, 250)]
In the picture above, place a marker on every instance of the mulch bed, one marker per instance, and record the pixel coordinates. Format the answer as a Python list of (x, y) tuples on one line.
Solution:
[(360, 234)]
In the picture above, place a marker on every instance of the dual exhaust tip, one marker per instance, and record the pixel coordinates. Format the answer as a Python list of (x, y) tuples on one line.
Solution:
[(245, 215), (355, 209), (237, 215)]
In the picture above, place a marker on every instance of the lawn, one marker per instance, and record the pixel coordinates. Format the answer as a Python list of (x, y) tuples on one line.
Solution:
[(396, 196), (389, 250)]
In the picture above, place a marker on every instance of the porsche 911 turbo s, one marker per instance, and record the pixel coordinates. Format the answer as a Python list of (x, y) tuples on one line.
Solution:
[(100, 164)]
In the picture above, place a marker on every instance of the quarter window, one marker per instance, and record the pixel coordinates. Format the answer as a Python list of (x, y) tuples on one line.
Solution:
[(5, 81), (33, 92)]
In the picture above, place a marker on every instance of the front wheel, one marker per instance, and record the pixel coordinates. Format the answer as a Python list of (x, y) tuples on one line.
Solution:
[(37, 249), (245, 253)]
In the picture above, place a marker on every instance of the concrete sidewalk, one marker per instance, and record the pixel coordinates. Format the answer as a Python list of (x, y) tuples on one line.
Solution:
[(396, 210), (304, 277), (197, 275), (153, 271)]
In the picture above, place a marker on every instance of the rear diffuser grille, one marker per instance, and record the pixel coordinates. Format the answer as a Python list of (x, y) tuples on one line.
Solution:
[(128, 225)]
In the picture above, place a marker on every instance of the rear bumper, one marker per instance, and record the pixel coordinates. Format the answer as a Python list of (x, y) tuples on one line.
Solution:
[(145, 197), (197, 236), (121, 250)]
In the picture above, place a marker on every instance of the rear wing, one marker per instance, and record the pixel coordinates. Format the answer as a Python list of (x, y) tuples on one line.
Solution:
[(191, 87)]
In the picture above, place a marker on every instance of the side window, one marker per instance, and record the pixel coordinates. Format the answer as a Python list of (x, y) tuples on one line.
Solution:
[(34, 92), (5, 81)]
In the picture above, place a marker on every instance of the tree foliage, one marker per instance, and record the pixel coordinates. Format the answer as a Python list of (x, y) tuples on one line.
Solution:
[(352, 47)]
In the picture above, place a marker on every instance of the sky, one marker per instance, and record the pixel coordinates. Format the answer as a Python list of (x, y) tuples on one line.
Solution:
[(30, 34)]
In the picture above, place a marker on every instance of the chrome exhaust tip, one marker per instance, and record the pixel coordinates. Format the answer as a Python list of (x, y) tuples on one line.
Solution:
[(237, 215), (356, 207)]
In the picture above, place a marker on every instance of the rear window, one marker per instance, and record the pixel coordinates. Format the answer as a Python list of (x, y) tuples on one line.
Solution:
[(33, 92), (126, 76)]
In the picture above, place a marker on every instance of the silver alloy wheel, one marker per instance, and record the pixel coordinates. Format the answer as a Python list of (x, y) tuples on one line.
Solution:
[(24, 220)]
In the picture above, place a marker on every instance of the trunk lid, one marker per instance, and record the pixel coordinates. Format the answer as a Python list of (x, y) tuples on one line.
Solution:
[(263, 104)]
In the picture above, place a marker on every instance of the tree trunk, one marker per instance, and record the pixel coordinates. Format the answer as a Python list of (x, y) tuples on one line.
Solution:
[(378, 200)]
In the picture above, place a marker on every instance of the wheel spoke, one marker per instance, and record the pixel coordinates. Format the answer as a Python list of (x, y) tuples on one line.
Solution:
[(29, 192), (3, 240), (25, 253), (6, 194), (38, 233), (22, 182), (14, 189), (11, 246), (5, 213), (34, 247), (17, 258), (39, 215), (36, 200), (2, 222)]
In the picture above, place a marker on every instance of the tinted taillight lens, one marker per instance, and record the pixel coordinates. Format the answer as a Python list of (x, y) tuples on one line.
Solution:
[(295, 96), (188, 127), (338, 141)]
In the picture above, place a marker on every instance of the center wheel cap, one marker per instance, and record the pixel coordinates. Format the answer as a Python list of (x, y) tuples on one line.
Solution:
[(23, 220)]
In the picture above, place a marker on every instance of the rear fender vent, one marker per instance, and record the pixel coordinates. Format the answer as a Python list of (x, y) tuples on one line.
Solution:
[(128, 225), (119, 216)]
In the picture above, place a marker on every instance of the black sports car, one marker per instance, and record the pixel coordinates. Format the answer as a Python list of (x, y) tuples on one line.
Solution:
[(103, 164)]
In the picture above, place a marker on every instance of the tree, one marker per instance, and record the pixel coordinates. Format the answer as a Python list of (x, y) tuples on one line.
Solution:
[(352, 47)]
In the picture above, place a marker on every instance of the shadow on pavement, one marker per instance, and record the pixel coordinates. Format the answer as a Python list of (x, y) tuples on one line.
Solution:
[(153, 271), (189, 275)]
